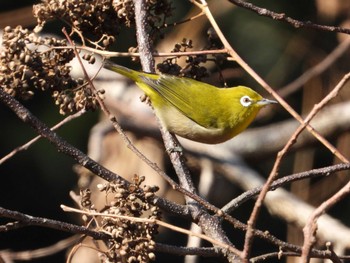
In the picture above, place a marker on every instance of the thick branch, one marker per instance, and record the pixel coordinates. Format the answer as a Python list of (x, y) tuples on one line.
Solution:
[(143, 40)]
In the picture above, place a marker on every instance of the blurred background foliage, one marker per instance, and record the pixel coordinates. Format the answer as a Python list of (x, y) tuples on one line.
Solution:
[(38, 180)]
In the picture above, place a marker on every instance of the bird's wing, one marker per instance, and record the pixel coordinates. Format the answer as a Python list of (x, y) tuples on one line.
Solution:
[(178, 92)]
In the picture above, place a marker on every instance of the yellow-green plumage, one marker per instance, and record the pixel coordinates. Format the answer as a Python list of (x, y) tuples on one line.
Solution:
[(196, 110)]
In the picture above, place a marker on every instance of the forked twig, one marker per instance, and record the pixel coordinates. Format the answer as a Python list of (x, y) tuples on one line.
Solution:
[(280, 155), (311, 227), (154, 221)]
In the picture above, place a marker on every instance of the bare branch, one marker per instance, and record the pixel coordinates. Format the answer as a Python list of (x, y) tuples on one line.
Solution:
[(282, 17), (286, 206), (63, 146), (143, 41), (311, 226), (111, 54), (280, 155), (50, 223), (183, 251), (316, 70), (155, 221), (28, 144), (247, 195)]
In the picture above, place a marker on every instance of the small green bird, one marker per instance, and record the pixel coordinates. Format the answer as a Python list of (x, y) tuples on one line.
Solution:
[(196, 110)]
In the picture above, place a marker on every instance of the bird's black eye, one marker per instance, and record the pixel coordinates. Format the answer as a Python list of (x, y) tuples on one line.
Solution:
[(246, 101)]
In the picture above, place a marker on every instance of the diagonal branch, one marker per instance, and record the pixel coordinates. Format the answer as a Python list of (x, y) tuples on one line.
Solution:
[(283, 17), (32, 141), (311, 227), (248, 195), (280, 155), (316, 70)]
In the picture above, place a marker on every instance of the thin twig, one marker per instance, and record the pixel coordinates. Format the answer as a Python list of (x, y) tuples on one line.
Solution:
[(280, 155), (154, 221), (248, 195), (50, 223), (316, 70), (183, 251), (311, 227), (63, 146), (283, 17), (274, 255), (183, 21), (111, 54), (278, 255), (32, 141)]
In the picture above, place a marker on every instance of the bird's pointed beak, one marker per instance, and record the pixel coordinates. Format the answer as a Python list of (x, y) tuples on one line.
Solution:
[(264, 102)]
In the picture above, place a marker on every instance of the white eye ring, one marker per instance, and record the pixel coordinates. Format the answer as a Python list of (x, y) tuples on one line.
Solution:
[(245, 101)]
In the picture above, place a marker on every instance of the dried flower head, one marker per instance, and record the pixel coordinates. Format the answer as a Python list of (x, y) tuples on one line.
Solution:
[(194, 64), (131, 241), (100, 20), (29, 62), (96, 19)]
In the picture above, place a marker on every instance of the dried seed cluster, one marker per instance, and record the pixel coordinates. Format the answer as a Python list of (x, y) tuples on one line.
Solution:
[(193, 69), (93, 18), (29, 62), (194, 64), (158, 11), (99, 19), (24, 67), (132, 241)]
